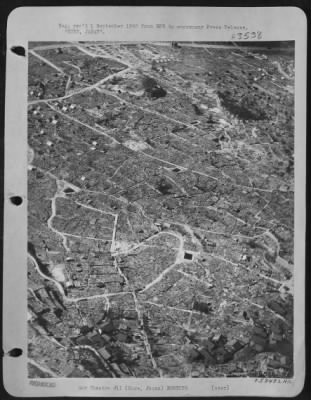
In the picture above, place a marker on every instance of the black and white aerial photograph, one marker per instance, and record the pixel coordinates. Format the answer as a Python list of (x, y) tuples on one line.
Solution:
[(160, 209)]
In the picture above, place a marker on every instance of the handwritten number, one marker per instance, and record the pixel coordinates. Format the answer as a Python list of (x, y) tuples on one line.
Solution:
[(246, 35)]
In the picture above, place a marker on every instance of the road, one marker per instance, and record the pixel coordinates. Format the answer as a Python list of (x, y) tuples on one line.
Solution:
[(46, 61)]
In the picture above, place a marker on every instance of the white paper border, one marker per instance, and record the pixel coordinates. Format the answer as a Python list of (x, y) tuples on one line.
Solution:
[(41, 24)]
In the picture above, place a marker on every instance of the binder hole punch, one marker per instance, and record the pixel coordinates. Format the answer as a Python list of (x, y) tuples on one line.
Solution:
[(19, 50), (16, 200), (16, 352)]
